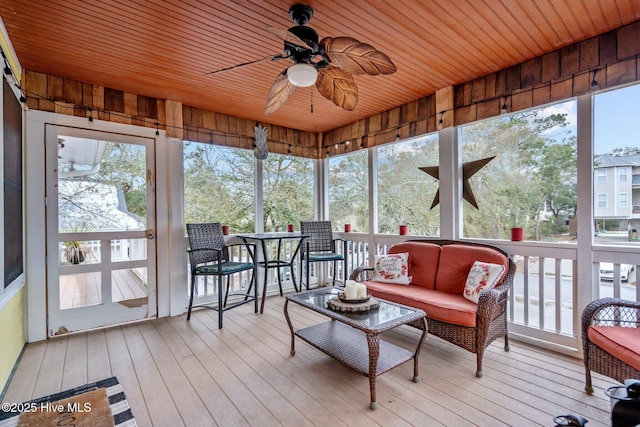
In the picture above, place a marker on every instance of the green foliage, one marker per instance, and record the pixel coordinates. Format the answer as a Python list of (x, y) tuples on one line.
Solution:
[(405, 192), (219, 187), (532, 181), (349, 191)]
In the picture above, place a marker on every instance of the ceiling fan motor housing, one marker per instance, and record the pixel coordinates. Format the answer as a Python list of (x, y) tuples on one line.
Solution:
[(299, 53)]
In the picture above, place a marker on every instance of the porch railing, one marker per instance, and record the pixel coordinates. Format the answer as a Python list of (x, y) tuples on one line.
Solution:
[(542, 305)]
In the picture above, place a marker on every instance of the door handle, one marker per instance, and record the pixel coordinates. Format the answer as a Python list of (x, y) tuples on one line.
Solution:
[(150, 234)]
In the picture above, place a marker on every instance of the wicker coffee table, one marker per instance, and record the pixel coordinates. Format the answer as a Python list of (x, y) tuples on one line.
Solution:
[(353, 339)]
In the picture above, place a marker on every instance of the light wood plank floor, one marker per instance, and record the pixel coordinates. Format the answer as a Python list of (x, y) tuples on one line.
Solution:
[(177, 373), (82, 289)]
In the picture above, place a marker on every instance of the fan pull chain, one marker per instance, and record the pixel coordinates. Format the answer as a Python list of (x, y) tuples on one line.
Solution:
[(311, 100)]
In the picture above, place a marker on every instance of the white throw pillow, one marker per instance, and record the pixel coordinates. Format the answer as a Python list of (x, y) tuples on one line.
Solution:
[(482, 275), (392, 268)]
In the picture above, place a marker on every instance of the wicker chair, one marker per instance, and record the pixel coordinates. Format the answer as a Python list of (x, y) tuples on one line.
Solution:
[(491, 317), (209, 256), (607, 312), (320, 246)]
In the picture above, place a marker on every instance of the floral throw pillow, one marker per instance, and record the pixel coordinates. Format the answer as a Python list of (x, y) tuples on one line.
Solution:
[(481, 276), (392, 268)]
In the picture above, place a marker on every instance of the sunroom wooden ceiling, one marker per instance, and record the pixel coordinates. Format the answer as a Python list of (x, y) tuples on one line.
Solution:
[(164, 49)]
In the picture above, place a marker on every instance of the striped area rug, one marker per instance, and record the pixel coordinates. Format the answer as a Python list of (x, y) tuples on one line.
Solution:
[(102, 403)]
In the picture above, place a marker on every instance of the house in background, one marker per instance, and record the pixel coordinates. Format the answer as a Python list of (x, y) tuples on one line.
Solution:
[(616, 190)]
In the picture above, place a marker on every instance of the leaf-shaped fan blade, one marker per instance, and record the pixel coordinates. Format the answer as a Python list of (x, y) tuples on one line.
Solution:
[(337, 85), (268, 58), (279, 93), (357, 58), (288, 37)]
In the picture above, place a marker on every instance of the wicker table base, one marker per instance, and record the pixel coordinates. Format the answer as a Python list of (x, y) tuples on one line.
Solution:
[(353, 338)]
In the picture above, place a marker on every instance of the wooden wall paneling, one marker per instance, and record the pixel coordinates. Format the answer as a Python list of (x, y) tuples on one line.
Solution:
[(501, 83), (233, 124), (569, 60), (196, 117), (35, 84), (98, 97), (542, 94), (531, 72), (562, 89), (54, 88), (222, 122), (468, 93), (208, 119), (173, 119), (513, 78), (629, 41), (589, 54), (374, 123), (621, 72), (113, 100), (521, 100), (72, 91), (550, 66), (478, 91), (608, 47), (401, 120), (488, 108), (582, 83), (130, 104), (424, 107), (490, 86), (394, 116), (464, 114), (161, 113), (458, 97), (87, 95), (444, 102), (119, 118), (412, 111), (384, 120), (46, 105), (142, 108), (422, 127)]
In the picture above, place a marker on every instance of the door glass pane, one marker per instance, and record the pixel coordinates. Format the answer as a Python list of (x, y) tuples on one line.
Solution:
[(80, 290), (101, 185)]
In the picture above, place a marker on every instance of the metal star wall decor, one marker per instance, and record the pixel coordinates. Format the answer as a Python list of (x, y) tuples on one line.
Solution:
[(468, 170)]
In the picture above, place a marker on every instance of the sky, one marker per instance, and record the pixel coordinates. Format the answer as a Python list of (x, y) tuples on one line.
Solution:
[(617, 119)]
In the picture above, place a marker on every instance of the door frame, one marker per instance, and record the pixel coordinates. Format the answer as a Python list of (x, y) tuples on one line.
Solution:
[(171, 255)]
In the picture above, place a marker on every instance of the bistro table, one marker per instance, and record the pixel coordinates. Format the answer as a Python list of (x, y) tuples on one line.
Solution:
[(279, 261)]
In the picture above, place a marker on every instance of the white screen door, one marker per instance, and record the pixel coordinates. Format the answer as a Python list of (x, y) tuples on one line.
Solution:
[(101, 247)]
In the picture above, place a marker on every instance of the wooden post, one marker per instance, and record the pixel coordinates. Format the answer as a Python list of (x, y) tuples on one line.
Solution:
[(174, 119), (444, 102)]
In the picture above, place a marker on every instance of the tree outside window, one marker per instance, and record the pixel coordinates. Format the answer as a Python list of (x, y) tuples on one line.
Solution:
[(349, 191), (405, 193), (531, 182)]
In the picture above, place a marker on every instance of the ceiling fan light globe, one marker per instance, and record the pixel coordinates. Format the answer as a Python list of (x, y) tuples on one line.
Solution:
[(302, 75)]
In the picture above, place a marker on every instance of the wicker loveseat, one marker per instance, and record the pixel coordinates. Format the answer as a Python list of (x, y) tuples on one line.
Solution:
[(611, 339), (439, 270)]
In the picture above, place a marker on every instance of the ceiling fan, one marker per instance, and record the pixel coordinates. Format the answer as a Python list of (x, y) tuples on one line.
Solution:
[(329, 63)]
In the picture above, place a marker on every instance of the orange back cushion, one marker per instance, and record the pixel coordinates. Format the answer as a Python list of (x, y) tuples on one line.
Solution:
[(423, 261), (455, 264)]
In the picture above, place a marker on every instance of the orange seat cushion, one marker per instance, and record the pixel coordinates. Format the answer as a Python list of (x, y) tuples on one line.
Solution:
[(441, 306), (455, 264), (622, 343), (423, 261)]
